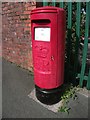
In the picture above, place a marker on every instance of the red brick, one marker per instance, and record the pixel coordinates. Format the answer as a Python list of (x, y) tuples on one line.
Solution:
[(28, 4), (16, 33), (26, 12), (27, 21), (31, 8), (33, 2)]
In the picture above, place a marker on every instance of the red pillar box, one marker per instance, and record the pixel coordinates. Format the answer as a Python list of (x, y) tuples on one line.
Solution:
[(48, 48)]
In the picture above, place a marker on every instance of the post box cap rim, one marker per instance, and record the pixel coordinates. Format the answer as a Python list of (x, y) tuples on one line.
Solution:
[(42, 9)]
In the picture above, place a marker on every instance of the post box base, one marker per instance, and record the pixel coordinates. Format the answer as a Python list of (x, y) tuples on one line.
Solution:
[(50, 96)]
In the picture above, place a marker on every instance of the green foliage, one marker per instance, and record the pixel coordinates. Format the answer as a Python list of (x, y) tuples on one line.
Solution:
[(64, 109), (69, 92)]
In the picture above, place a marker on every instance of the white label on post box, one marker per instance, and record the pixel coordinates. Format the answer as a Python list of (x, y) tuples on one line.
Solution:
[(42, 34)]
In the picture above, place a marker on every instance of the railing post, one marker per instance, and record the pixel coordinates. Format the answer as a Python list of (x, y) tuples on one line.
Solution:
[(85, 45), (78, 17), (45, 3), (88, 81), (53, 2), (61, 5)]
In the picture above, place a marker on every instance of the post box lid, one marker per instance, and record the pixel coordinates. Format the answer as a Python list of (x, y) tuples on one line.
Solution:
[(47, 9)]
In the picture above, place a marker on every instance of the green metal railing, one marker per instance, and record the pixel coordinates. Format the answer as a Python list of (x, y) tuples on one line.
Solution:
[(72, 69), (85, 46)]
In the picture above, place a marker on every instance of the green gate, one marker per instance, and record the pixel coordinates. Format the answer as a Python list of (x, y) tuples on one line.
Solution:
[(74, 31)]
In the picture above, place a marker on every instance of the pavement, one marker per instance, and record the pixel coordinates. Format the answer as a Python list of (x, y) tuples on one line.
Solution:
[(0, 88), (17, 83)]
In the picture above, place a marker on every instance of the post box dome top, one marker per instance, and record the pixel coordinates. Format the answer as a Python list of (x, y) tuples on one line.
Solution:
[(47, 9)]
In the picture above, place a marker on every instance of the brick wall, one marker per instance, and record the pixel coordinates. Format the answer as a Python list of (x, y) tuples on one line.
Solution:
[(16, 43)]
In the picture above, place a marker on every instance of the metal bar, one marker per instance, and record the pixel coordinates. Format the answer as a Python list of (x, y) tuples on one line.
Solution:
[(45, 3), (53, 3), (85, 77), (78, 16), (88, 82), (61, 5), (69, 31), (85, 45)]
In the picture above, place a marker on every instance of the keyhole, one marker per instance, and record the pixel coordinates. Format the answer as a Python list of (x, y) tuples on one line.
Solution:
[(52, 58)]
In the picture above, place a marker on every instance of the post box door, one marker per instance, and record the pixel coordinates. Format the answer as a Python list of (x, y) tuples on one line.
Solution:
[(45, 52)]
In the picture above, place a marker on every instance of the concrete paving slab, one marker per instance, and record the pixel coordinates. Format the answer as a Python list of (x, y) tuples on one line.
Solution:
[(0, 87), (53, 108), (84, 91)]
